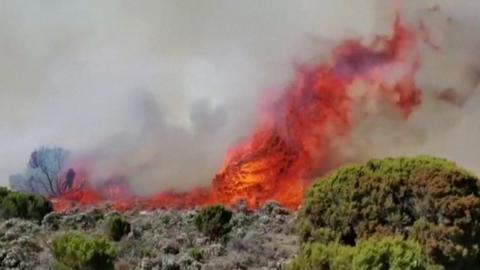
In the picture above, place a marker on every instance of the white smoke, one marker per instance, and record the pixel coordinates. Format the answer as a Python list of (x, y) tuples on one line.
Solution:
[(160, 89), (445, 124)]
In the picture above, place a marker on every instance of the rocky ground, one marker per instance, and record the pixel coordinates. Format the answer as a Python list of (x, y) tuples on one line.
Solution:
[(162, 239)]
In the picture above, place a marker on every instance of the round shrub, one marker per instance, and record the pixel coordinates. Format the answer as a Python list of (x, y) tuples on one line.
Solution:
[(424, 198), (387, 253), (81, 252), (213, 221), (196, 253), (117, 228), (3, 192), (22, 205)]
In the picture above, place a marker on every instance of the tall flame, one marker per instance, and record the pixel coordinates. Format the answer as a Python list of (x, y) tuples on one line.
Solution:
[(295, 134), (294, 138)]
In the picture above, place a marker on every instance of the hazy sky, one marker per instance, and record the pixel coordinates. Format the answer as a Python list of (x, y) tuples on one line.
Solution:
[(162, 88), (76, 74)]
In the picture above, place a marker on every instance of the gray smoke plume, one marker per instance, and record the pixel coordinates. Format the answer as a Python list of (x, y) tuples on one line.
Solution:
[(444, 125), (159, 90)]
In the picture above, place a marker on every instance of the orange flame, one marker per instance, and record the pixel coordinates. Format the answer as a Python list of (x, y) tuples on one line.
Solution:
[(293, 139), (277, 161)]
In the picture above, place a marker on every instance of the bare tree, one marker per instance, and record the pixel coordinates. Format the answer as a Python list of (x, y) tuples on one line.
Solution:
[(43, 174)]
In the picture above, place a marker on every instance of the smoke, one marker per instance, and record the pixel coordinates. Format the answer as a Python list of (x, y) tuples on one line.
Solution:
[(444, 125), (159, 90), (156, 89)]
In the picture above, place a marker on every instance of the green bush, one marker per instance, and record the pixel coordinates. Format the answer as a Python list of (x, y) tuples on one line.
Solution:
[(427, 199), (213, 221), (22, 205), (387, 253), (196, 253), (117, 228), (81, 252), (3, 192)]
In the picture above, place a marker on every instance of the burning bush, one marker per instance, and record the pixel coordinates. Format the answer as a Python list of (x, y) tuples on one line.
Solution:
[(424, 198), (117, 228), (386, 253), (80, 252), (213, 221), (21, 205)]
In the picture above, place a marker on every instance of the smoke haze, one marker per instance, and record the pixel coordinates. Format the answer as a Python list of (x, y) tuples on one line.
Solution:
[(444, 125), (158, 90)]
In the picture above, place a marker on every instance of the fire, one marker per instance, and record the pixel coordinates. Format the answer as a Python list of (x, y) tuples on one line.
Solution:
[(294, 137), (294, 140)]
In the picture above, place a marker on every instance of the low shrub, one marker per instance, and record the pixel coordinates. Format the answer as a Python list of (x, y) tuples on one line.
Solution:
[(386, 253), (81, 252), (196, 253), (213, 221), (427, 199), (117, 228), (22, 205), (3, 192)]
